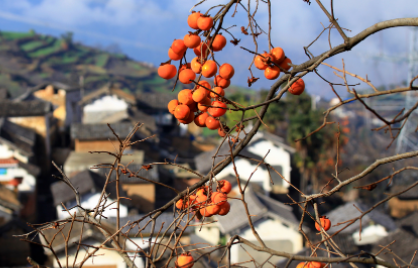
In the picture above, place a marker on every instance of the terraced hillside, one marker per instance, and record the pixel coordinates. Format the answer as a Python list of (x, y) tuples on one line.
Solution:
[(27, 59)]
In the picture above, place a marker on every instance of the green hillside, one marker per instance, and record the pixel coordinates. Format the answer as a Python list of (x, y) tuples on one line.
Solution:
[(28, 59)]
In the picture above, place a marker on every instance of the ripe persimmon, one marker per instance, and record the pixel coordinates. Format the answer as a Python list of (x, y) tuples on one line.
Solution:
[(215, 111), (315, 264), (297, 87), (201, 198), (271, 73), (186, 75), (212, 123), (302, 265), (200, 119), (191, 40), (219, 199), (172, 106), (221, 82), (192, 20), (203, 83), (195, 65), (199, 94), (185, 97), (260, 61), (325, 223), (201, 105), (201, 50), (204, 22), (193, 107), (213, 209), (225, 186), (218, 90), (184, 66), (179, 204), (226, 71), (204, 211), (277, 55), (209, 68), (224, 209), (221, 132), (178, 46), (189, 118), (173, 55), (181, 112), (167, 71), (185, 260), (219, 42), (285, 64)]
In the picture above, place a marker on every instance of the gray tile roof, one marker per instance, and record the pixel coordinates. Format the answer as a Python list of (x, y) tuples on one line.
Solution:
[(259, 205), (18, 137), (203, 161), (24, 108), (100, 131), (348, 211), (154, 100), (108, 89)]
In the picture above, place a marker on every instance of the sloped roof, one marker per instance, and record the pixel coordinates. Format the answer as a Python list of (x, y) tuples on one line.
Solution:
[(139, 116), (203, 161), (100, 131), (18, 137), (154, 100), (108, 89), (24, 108), (259, 205), (348, 211), (85, 182)]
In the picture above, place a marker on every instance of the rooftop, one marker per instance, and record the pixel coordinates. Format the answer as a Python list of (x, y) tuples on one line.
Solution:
[(17, 137), (24, 108), (100, 131), (108, 89)]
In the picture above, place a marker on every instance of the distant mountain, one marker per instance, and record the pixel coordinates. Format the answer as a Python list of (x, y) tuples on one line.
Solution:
[(28, 59)]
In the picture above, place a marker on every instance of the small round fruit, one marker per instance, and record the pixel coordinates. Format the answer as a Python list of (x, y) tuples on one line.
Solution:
[(199, 94), (218, 110), (201, 105), (219, 42), (285, 64), (204, 211), (297, 87), (185, 260), (178, 46), (201, 198), (221, 82), (192, 20), (325, 223), (167, 71), (201, 50), (226, 71), (173, 55), (186, 75), (195, 65), (179, 204), (260, 62), (172, 106), (209, 68), (185, 96), (188, 120), (203, 83), (224, 209), (204, 23), (181, 112), (225, 186), (302, 265), (184, 67), (221, 132), (213, 209), (277, 55), (200, 119), (315, 264), (218, 90), (272, 73), (191, 40), (212, 123), (219, 199)]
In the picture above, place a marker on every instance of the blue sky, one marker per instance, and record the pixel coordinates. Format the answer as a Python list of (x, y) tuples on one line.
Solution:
[(145, 29)]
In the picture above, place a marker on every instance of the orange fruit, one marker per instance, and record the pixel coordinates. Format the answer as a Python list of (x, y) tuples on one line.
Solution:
[(185, 97), (199, 94), (191, 40), (204, 22), (224, 209), (221, 132), (173, 55), (226, 186), (218, 90), (201, 50), (178, 46), (277, 55), (186, 75), (260, 62), (226, 71), (204, 211), (185, 260), (179, 204), (221, 82), (217, 112), (211, 123), (181, 112), (325, 223), (201, 104), (195, 65), (193, 107), (200, 119), (297, 87), (204, 84), (219, 42), (272, 73), (167, 71), (192, 20), (185, 66), (172, 106), (219, 199), (189, 118), (285, 64), (209, 68)]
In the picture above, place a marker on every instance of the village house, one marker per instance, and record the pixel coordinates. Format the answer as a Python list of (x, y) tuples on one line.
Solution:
[(404, 204)]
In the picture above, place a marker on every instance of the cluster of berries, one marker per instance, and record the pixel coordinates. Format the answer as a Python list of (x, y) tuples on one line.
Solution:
[(269, 62), (207, 203)]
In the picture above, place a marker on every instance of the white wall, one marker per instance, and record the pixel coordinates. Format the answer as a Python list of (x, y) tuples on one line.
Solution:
[(89, 201), (7, 152)]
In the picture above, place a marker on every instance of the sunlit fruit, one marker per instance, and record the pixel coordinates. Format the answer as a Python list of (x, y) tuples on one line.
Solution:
[(201, 105), (173, 55), (186, 76), (224, 209), (209, 68), (221, 82), (325, 223), (167, 71), (271, 73), (297, 87), (218, 90), (219, 42), (201, 50), (189, 118), (212, 123), (178, 46), (225, 186), (226, 71), (221, 132), (200, 119), (181, 112), (191, 40), (179, 204), (204, 22), (192, 20), (185, 260), (185, 96), (285, 64), (199, 94), (172, 106), (277, 55), (219, 199), (195, 65), (260, 62), (218, 110)]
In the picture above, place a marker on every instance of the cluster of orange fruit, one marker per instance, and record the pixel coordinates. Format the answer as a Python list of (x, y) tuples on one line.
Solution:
[(269, 62), (193, 105), (206, 202)]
